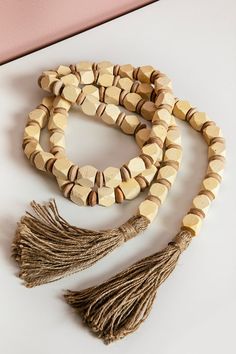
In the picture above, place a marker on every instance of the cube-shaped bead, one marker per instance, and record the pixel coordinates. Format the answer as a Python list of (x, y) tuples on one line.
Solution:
[(86, 176), (112, 176), (148, 209), (106, 196), (79, 194)]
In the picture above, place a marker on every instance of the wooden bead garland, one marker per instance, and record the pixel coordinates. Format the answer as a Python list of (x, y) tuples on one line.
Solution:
[(48, 248)]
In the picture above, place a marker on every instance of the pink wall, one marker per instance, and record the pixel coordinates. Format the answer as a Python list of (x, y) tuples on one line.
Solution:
[(30, 24)]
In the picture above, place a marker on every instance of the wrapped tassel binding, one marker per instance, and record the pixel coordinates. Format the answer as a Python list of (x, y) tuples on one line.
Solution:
[(117, 307), (47, 247)]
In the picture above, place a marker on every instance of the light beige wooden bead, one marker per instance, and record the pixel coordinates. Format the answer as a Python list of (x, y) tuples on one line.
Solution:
[(70, 79), (159, 190), (136, 166), (31, 147), (125, 84), (161, 115), (112, 176), (32, 131), (47, 81), (149, 173), (91, 90), (130, 188), (144, 73), (105, 80), (201, 202), (110, 114), (216, 149), (131, 100), (147, 110), (112, 95), (60, 102), (192, 222), (211, 184), (41, 159), (79, 194), (71, 93), (162, 82), (106, 196), (90, 105), (63, 70), (57, 139), (173, 154), (61, 168), (154, 151), (216, 166), (212, 132), (84, 65), (86, 77), (168, 173), (173, 137), (126, 71), (142, 136), (148, 209), (165, 98), (181, 108), (105, 67), (145, 90), (86, 176), (48, 101), (129, 124), (158, 131), (39, 116), (57, 121), (198, 119)]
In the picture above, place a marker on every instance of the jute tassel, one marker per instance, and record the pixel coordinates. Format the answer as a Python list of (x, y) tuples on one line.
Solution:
[(47, 247), (118, 307)]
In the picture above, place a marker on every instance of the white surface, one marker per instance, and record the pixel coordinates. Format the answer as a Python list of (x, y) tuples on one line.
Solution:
[(194, 43)]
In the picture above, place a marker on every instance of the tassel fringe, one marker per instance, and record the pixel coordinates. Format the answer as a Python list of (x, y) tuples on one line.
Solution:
[(117, 307), (48, 248)]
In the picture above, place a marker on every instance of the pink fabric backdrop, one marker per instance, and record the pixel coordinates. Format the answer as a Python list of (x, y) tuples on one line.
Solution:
[(30, 24)]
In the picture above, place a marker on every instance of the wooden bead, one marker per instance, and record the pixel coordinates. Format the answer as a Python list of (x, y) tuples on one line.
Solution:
[(105, 80), (79, 194), (119, 196), (90, 105), (159, 190), (60, 102), (70, 79), (168, 173), (112, 95), (31, 147), (165, 98), (198, 119), (84, 65), (126, 71), (136, 166), (173, 137), (39, 116), (216, 149), (161, 114), (173, 154), (47, 81), (71, 93), (201, 202), (145, 90), (181, 109), (125, 84), (130, 188), (61, 168), (162, 82), (92, 198), (32, 132), (57, 121), (153, 150), (149, 174), (192, 223), (41, 159), (211, 132), (63, 70), (216, 166), (112, 176), (212, 185), (147, 110), (57, 139), (144, 73), (131, 100), (86, 77), (106, 196), (91, 90), (105, 67), (86, 176), (129, 124), (142, 136), (158, 131), (110, 114), (148, 209), (48, 101)]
